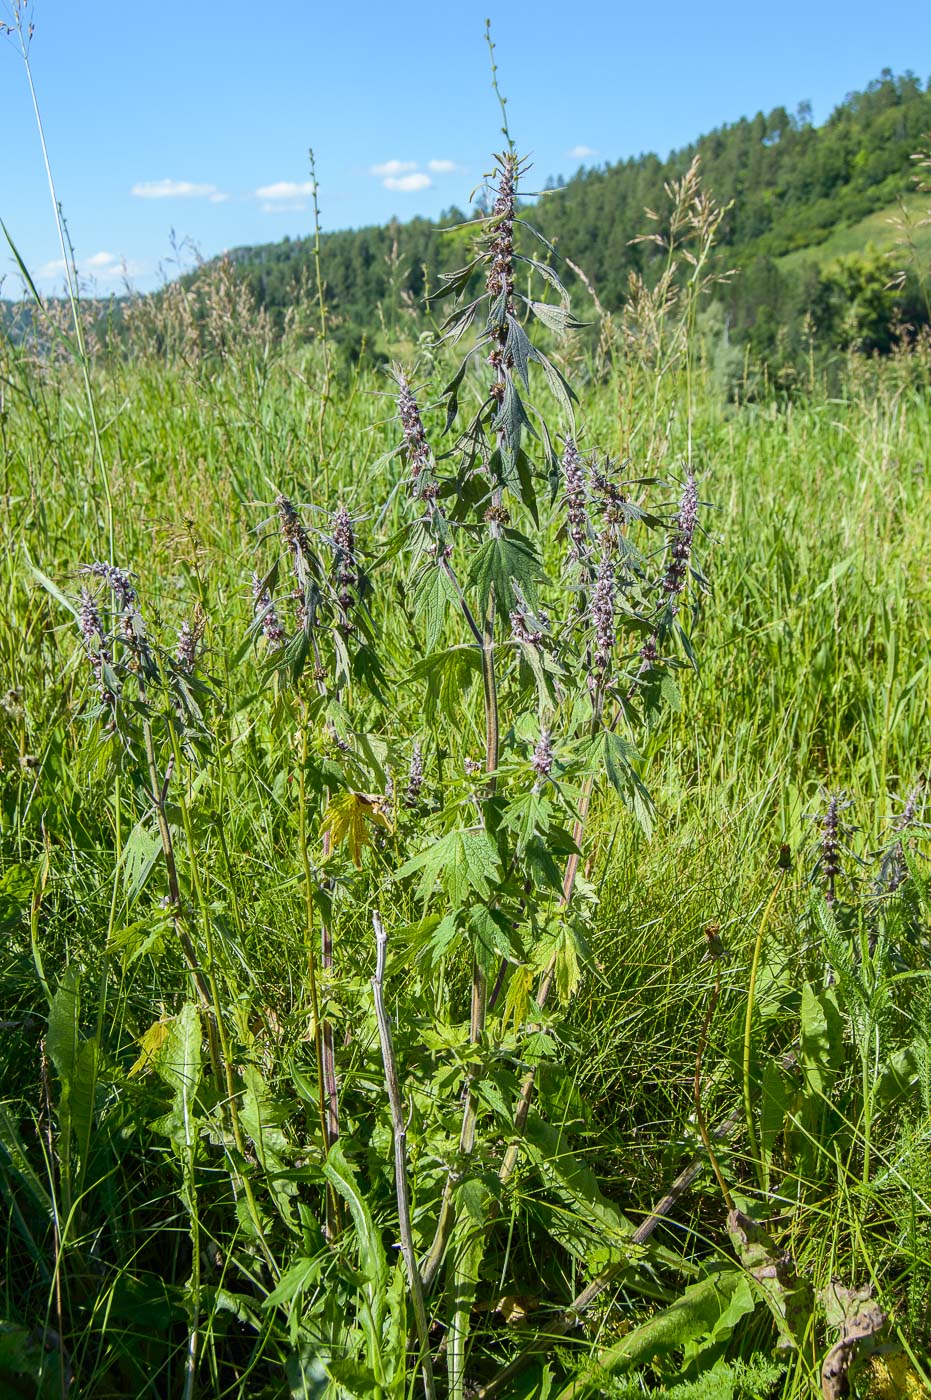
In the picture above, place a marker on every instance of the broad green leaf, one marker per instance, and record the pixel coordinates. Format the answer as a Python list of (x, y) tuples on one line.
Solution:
[(822, 1044), (432, 595), (696, 1316), (618, 758), (303, 1273), (372, 1261), (82, 1093), (61, 1040), (775, 1096), (307, 1376)]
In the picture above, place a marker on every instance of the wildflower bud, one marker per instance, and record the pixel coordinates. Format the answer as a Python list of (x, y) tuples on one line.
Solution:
[(830, 845), (414, 777), (347, 572), (186, 654), (906, 817), (292, 529), (501, 249), (119, 581), (542, 761), (522, 630)]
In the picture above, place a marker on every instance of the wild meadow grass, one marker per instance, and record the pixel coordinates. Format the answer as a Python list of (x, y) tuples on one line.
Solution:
[(634, 814)]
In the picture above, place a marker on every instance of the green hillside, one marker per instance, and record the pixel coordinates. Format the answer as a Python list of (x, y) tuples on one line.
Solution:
[(797, 196), (881, 230)]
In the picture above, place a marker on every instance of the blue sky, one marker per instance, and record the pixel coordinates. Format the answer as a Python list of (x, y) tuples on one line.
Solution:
[(197, 118)]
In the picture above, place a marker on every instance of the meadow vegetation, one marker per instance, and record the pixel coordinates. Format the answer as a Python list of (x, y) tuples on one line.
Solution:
[(464, 873)]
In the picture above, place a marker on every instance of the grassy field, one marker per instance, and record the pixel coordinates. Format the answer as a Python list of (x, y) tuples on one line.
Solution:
[(195, 840)]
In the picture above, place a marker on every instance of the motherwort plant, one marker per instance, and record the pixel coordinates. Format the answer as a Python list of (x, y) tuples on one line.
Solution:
[(547, 634)]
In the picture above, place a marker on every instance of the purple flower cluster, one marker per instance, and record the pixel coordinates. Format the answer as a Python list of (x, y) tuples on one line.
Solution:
[(347, 571), (414, 777), (542, 761), (186, 654), (602, 615), (501, 269), (415, 439), (680, 546), (95, 642), (576, 501), (272, 629)]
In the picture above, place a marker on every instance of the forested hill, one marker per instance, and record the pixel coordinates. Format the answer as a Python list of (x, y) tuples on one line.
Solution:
[(792, 184)]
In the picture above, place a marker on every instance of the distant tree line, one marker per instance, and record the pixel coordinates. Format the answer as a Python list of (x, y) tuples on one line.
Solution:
[(790, 184)]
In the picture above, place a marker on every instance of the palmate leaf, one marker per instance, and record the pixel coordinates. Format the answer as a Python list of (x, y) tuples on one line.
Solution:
[(616, 756), (519, 348), (432, 594), (346, 820), (493, 937), (448, 674), (502, 562), (463, 861)]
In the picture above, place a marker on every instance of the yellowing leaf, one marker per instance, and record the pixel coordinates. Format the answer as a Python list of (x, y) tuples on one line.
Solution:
[(517, 1001), (345, 820), (150, 1044)]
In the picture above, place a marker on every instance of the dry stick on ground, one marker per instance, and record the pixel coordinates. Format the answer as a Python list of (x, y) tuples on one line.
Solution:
[(400, 1158)]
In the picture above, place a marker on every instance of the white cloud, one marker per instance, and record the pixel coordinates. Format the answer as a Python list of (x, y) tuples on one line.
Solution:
[(441, 167), (389, 168), (582, 152), (408, 184), (99, 267), (285, 190), (178, 189)]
